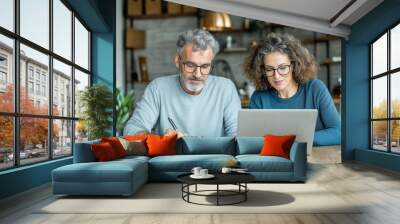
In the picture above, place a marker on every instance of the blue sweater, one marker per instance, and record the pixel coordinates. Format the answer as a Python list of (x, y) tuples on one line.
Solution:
[(311, 95), (211, 113)]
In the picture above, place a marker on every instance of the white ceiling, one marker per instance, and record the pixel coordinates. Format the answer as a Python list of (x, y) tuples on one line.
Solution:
[(320, 9), (322, 16)]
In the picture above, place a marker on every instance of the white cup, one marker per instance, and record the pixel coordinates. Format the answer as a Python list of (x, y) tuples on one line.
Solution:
[(203, 172), (196, 170), (226, 170)]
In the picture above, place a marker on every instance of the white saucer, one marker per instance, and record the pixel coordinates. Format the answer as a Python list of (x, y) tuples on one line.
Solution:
[(208, 176)]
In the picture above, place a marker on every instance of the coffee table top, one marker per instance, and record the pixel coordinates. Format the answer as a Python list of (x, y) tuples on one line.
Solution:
[(220, 178)]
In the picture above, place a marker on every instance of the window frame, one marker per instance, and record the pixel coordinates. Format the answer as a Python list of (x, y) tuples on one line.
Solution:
[(388, 74), (16, 114)]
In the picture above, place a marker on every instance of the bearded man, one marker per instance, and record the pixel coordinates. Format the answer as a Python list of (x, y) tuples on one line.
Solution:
[(193, 102)]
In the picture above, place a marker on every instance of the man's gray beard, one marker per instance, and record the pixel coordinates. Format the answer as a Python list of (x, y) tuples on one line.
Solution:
[(191, 87)]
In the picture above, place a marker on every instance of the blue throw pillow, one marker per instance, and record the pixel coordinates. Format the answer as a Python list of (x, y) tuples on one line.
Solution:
[(192, 145), (83, 152), (249, 145)]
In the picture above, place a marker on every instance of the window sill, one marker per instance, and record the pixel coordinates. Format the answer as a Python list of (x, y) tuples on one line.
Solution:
[(26, 167)]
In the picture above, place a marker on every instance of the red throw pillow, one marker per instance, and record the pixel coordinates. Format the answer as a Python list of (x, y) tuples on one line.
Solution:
[(135, 137), (116, 145), (103, 151), (161, 145), (277, 145)]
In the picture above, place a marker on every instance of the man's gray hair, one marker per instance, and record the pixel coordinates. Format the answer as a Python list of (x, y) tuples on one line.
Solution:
[(200, 39)]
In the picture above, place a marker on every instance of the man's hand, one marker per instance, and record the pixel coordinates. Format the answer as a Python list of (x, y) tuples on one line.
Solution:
[(171, 132)]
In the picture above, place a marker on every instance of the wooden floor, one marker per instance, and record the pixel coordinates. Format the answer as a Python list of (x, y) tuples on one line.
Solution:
[(377, 188)]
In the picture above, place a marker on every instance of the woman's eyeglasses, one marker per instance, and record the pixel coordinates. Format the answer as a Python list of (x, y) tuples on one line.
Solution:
[(270, 71)]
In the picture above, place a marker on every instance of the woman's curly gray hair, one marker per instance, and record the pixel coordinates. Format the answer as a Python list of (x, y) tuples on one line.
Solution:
[(304, 65)]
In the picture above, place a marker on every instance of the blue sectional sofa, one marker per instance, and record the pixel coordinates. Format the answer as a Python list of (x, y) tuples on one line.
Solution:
[(125, 176)]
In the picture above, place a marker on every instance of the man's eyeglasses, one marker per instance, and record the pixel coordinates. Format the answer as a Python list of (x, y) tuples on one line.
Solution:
[(270, 71), (191, 67)]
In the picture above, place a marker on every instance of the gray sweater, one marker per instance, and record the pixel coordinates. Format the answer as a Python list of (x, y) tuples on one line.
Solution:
[(211, 113)]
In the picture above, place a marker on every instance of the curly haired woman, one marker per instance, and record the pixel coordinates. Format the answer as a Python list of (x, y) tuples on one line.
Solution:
[(283, 72)]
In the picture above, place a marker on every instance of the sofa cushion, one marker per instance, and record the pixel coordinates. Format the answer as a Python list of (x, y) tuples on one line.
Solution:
[(161, 145), (135, 147), (111, 171), (116, 145), (275, 145), (135, 137), (194, 145), (103, 152), (83, 152), (257, 163), (185, 163), (131, 158), (249, 145)]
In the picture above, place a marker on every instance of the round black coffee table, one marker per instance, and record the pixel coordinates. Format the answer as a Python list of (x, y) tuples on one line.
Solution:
[(238, 179)]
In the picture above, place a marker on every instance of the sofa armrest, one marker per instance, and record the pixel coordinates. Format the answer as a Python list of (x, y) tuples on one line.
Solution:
[(298, 155), (83, 152)]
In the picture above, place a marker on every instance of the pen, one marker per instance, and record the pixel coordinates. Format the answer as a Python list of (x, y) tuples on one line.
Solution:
[(172, 123)]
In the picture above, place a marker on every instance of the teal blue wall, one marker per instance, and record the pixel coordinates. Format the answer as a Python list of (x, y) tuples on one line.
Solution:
[(24, 178), (99, 16), (102, 58), (356, 85)]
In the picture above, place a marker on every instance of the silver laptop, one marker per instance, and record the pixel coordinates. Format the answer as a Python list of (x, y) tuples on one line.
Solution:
[(258, 122)]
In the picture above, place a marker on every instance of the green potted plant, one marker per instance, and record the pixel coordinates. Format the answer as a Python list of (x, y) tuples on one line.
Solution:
[(124, 108), (96, 102)]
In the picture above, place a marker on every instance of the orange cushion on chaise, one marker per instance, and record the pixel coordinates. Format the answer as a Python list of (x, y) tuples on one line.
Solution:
[(103, 152), (116, 145)]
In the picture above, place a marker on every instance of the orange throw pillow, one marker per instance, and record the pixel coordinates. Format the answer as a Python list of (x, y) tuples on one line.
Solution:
[(116, 145), (135, 137), (277, 145), (103, 152), (161, 145)]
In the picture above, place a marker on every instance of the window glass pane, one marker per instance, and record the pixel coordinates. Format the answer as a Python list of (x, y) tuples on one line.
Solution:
[(81, 81), (395, 94), (6, 142), (395, 47), (62, 29), (6, 74), (62, 138), (395, 138), (33, 139), (62, 89), (379, 135), (81, 45), (34, 97), (379, 97), (379, 55), (7, 14), (81, 131), (35, 21)]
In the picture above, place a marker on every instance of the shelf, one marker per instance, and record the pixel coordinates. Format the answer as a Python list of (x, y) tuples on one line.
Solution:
[(235, 50), (141, 83), (245, 102), (229, 31), (336, 100), (320, 39), (329, 62), (162, 16)]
